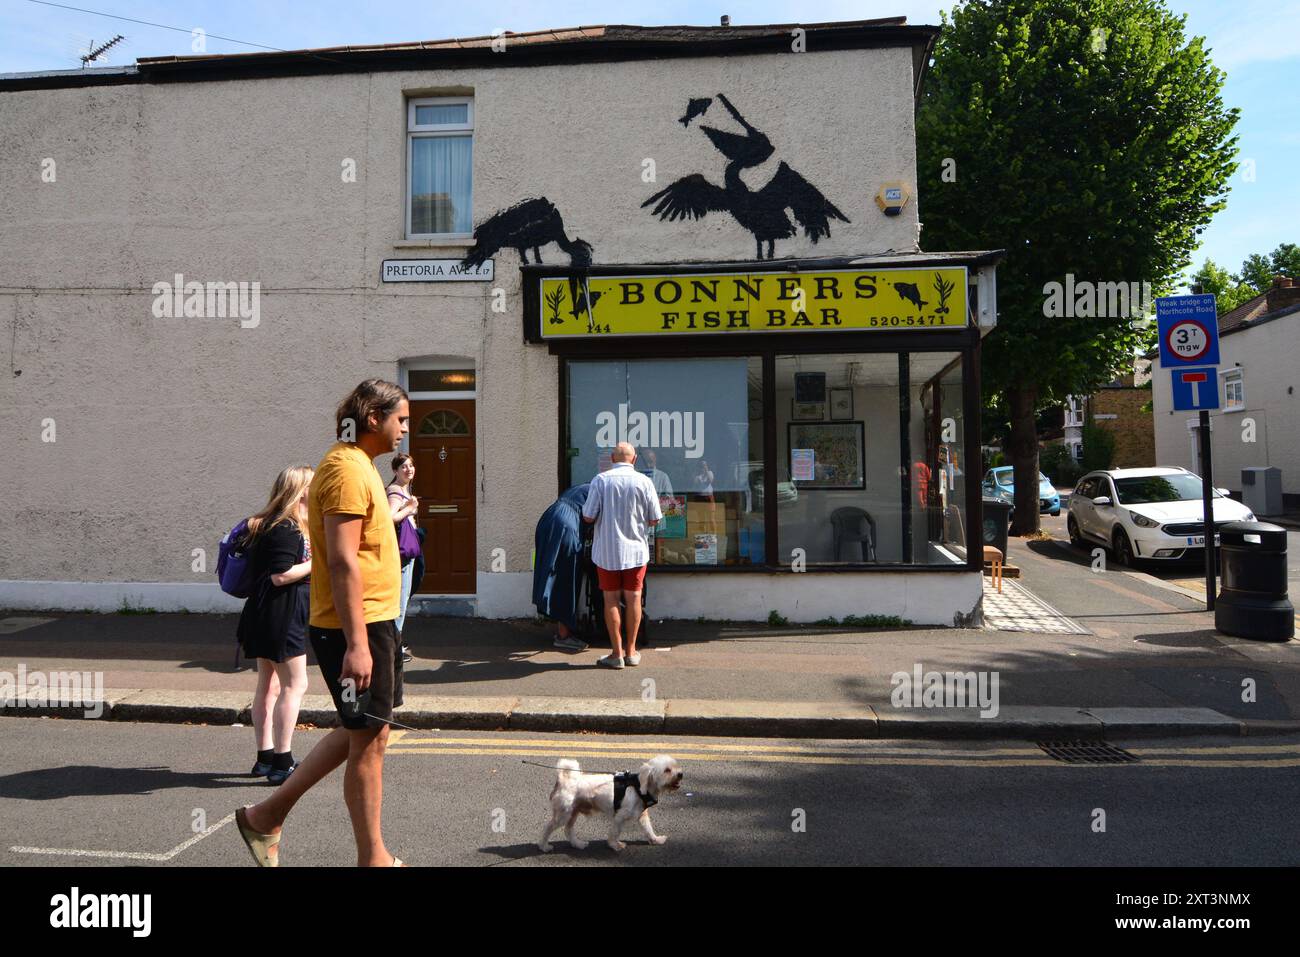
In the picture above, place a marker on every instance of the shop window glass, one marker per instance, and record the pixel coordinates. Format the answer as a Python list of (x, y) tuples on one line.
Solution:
[(868, 463), (697, 425)]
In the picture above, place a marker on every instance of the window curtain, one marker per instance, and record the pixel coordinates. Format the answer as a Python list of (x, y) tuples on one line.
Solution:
[(440, 184)]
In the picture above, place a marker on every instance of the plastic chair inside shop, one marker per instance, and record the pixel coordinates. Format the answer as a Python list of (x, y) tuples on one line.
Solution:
[(851, 526), (954, 528)]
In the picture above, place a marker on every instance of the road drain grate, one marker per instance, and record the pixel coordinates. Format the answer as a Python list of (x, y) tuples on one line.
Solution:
[(1087, 752)]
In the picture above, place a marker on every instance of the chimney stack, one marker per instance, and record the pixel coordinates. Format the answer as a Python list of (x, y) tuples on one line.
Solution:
[(1284, 294)]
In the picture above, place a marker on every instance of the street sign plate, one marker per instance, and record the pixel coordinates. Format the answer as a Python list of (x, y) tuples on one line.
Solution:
[(1189, 331), (1195, 389)]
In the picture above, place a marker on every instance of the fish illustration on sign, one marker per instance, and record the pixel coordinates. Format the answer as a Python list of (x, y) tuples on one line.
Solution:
[(909, 291)]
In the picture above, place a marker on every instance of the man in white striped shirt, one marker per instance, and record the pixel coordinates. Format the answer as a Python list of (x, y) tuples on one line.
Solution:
[(623, 505)]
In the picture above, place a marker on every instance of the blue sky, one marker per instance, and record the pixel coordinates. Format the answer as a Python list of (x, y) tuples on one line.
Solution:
[(1252, 40)]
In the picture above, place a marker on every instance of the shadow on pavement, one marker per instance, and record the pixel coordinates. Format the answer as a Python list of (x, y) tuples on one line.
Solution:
[(82, 780)]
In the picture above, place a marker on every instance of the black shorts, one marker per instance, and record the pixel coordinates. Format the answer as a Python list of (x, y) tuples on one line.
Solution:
[(385, 689)]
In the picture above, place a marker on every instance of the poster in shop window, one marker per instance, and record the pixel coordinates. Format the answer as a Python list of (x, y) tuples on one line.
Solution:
[(837, 449)]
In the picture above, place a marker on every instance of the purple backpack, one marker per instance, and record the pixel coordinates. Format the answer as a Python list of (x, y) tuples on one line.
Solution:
[(234, 570)]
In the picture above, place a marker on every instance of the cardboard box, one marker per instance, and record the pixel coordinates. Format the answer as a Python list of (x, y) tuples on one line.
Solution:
[(675, 551), (705, 514)]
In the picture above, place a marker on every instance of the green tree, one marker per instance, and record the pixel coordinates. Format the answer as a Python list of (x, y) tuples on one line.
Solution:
[(1258, 270), (1098, 447), (1286, 260), (1089, 137), (1228, 290)]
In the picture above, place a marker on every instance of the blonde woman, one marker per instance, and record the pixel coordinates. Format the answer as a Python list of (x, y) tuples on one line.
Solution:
[(273, 626)]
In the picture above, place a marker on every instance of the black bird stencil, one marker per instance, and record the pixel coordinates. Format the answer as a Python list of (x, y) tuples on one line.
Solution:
[(532, 224), (762, 212), (696, 107)]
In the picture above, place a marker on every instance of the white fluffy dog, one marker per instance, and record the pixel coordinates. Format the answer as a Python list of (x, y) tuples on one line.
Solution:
[(577, 793)]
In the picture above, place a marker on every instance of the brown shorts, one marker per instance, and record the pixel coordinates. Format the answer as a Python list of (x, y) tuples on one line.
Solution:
[(385, 691)]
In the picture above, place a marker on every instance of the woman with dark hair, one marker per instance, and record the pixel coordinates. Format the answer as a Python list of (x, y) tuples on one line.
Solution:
[(558, 544), (405, 507), (273, 625)]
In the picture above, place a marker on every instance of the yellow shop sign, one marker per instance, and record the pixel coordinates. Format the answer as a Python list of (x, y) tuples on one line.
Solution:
[(837, 300)]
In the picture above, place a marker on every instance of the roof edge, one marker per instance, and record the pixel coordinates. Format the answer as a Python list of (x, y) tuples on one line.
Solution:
[(574, 45)]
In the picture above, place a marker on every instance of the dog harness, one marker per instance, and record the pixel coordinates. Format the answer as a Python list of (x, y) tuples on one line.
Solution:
[(628, 779)]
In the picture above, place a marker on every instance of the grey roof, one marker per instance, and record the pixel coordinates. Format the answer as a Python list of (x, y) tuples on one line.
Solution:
[(606, 43)]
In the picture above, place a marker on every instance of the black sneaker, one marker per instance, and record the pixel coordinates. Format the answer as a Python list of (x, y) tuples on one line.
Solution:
[(406, 654), (278, 777), (261, 769)]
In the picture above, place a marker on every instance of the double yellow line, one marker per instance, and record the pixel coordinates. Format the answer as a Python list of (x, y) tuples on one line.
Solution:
[(866, 754)]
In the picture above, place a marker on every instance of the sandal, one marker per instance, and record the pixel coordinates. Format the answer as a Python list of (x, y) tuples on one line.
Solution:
[(259, 845)]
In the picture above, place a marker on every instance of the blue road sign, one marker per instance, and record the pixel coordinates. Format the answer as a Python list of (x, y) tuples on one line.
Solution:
[(1195, 389), (1189, 331)]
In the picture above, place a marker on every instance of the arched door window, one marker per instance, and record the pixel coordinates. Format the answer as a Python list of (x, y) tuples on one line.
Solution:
[(443, 422)]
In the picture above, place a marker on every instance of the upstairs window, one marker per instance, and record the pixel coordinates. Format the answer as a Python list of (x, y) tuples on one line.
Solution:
[(440, 150), (1234, 393)]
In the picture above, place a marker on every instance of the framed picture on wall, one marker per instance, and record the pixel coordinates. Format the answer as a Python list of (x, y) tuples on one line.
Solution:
[(810, 386), (837, 453), (807, 411), (841, 405)]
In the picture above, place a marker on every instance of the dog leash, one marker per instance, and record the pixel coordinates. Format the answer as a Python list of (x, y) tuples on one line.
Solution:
[(551, 767)]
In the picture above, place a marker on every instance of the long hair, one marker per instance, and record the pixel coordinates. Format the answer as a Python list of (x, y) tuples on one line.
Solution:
[(284, 501), (374, 396), (400, 459)]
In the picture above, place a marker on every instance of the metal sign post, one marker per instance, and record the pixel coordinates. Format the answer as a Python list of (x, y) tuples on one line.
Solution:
[(1188, 327), (1207, 506)]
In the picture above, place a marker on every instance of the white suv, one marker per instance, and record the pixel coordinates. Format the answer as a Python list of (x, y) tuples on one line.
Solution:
[(1146, 513)]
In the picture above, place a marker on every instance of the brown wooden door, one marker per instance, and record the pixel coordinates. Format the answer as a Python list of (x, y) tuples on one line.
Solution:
[(442, 444)]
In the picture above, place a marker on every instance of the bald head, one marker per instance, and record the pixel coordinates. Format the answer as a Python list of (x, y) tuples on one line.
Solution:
[(623, 452)]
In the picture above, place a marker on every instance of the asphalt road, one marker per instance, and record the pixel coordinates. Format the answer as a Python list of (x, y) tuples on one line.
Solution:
[(89, 794), (1183, 569)]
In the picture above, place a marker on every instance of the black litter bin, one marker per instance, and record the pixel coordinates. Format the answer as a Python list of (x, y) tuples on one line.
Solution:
[(997, 519), (1253, 601)]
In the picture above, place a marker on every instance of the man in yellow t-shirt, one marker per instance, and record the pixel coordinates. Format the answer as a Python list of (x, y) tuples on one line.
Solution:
[(353, 630)]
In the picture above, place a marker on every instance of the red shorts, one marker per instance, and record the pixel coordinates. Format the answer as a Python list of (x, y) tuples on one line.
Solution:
[(629, 579)]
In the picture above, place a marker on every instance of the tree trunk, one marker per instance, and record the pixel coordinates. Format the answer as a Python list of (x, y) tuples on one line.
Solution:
[(1024, 458)]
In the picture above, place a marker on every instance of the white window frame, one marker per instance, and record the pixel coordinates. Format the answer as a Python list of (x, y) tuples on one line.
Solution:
[(1073, 412), (1234, 377), (416, 131)]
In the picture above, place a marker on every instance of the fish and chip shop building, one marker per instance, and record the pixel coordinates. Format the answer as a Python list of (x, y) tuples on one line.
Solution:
[(700, 240)]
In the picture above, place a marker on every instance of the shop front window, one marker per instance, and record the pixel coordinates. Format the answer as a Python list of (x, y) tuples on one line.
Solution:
[(868, 459), (697, 426)]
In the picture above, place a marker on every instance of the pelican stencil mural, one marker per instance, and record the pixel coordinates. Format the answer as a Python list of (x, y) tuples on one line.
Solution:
[(762, 211), (532, 224)]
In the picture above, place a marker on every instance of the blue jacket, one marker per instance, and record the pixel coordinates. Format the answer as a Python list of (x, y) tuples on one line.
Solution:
[(558, 543)]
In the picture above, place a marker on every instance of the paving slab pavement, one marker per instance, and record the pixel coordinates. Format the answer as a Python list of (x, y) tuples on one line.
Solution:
[(1152, 669)]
